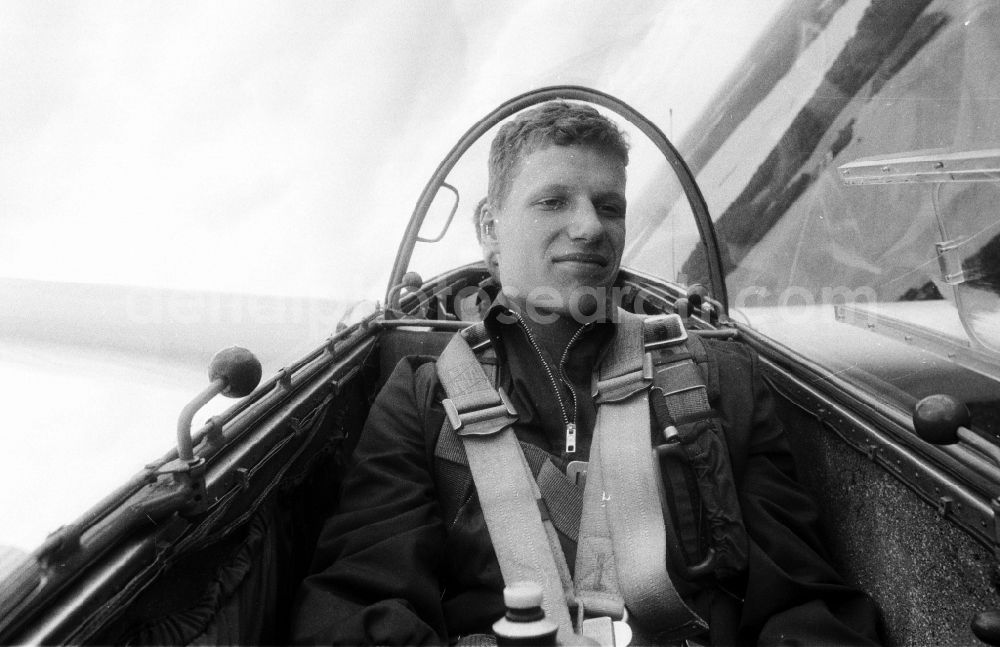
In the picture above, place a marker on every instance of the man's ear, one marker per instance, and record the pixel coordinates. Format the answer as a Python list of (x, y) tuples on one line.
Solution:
[(488, 240), (488, 227)]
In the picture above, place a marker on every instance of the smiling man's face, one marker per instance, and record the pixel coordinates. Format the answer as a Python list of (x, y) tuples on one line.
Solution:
[(560, 231)]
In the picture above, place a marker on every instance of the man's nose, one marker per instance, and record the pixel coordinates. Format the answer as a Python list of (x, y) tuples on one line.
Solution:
[(584, 222)]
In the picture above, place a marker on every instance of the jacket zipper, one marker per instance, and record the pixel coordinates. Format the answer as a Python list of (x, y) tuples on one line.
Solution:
[(570, 424)]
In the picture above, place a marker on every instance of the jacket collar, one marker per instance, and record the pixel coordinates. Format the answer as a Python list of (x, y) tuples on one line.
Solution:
[(594, 341)]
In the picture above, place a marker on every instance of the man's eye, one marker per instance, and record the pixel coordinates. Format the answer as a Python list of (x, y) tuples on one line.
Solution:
[(551, 203), (612, 210)]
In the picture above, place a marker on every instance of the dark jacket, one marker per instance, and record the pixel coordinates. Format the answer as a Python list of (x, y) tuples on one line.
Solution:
[(408, 560)]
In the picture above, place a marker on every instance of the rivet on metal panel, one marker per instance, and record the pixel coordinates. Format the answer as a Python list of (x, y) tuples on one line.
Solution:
[(194, 477)]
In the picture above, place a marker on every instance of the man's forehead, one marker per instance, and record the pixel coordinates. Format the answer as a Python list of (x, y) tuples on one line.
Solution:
[(536, 164), (571, 149)]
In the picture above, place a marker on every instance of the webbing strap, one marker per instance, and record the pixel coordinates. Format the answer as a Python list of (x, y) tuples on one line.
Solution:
[(683, 387), (624, 370), (526, 544), (527, 548), (564, 499), (622, 546)]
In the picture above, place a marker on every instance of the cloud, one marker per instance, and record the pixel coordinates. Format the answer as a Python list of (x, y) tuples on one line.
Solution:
[(273, 147)]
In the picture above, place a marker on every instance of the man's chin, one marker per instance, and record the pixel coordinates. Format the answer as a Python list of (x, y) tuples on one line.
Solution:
[(583, 306)]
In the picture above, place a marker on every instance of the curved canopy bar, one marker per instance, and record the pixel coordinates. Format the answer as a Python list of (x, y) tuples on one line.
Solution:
[(575, 93)]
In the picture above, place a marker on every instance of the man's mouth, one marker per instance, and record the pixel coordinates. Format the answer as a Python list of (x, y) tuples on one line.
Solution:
[(582, 257)]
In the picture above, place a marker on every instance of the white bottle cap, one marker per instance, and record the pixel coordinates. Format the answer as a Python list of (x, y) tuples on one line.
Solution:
[(522, 595)]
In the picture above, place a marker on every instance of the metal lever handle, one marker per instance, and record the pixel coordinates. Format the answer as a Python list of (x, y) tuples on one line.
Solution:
[(412, 281), (234, 372), (942, 419)]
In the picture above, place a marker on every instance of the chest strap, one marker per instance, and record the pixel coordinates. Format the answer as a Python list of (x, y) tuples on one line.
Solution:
[(621, 548), (526, 545), (622, 545)]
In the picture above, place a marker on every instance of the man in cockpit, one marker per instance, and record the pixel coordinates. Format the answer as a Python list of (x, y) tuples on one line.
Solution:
[(419, 550)]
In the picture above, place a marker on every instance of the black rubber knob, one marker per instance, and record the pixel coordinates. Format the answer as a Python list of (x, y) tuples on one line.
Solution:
[(697, 294), (937, 418), (412, 280), (986, 626), (239, 368)]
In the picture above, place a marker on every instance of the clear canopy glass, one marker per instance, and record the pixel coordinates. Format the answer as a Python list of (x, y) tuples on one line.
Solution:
[(857, 204)]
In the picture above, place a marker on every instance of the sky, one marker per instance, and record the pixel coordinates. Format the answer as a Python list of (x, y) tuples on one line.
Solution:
[(265, 148), (279, 147)]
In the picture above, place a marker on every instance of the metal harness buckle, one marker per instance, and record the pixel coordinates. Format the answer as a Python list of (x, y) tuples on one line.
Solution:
[(482, 421), (661, 331), (606, 631)]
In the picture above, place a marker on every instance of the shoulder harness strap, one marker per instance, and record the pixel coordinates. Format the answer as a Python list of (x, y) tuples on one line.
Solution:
[(526, 545), (624, 512), (561, 499), (693, 458), (623, 536)]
